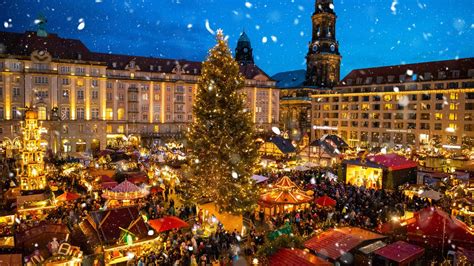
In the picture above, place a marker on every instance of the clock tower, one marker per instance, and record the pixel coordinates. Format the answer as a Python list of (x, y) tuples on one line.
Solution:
[(244, 51), (323, 59)]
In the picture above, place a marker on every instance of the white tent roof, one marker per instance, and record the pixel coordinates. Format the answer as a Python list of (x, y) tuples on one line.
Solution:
[(259, 178)]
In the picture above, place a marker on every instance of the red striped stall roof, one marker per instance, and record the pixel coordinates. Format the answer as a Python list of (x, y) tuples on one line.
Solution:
[(334, 243), (295, 257), (401, 252)]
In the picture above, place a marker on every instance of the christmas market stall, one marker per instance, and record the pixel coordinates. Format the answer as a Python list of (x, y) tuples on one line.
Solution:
[(387, 171), (277, 147), (283, 196), (124, 193), (339, 244), (433, 227), (286, 256), (118, 234), (398, 253), (40, 236)]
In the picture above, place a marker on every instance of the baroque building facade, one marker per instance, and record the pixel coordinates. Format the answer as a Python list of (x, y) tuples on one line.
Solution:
[(88, 100)]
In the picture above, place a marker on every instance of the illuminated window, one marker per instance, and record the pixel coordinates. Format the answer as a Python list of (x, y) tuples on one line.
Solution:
[(438, 116), (453, 117), (453, 126), (365, 107), (42, 113), (109, 114), (326, 107), (79, 82), (120, 114), (388, 106), (453, 106), (156, 128), (387, 98), (454, 96), (120, 129), (109, 129)]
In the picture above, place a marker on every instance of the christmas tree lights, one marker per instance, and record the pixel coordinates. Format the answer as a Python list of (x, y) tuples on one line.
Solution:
[(221, 138)]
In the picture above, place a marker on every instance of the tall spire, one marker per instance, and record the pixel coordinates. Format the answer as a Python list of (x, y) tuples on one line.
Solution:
[(244, 51), (323, 59)]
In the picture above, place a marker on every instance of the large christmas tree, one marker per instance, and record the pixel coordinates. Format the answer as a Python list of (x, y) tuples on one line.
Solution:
[(221, 139)]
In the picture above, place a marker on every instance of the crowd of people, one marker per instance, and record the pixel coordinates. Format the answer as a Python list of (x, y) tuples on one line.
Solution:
[(355, 206)]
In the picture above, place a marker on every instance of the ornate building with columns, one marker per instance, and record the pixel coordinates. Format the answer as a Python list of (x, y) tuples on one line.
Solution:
[(88, 100)]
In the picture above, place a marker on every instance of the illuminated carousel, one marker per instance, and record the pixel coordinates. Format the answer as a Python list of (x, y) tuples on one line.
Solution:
[(124, 194), (284, 196)]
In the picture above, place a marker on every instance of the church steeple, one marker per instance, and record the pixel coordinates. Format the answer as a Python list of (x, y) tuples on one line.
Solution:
[(323, 59), (244, 51)]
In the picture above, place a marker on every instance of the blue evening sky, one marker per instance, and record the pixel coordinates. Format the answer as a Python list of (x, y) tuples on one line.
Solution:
[(370, 32)]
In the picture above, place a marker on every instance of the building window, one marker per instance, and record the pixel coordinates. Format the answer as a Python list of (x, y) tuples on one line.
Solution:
[(80, 113), (469, 106), (66, 81), (453, 117), (438, 116), (42, 113), (95, 94), (2, 114), (109, 114), (95, 83), (65, 69), (454, 96), (109, 129), (81, 128), (41, 80), (66, 94), (95, 113), (453, 106), (80, 95), (16, 92), (65, 113), (80, 70)]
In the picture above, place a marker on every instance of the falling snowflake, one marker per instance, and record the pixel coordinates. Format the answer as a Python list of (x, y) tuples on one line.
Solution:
[(190, 26), (248, 5), (208, 27), (82, 24), (274, 38), (264, 39), (393, 7)]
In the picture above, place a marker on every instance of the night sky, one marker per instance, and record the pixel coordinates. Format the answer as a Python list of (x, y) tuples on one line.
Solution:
[(370, 33)]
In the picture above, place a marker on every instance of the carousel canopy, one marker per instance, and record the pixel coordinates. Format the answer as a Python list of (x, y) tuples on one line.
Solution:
[(125, 191), (285, 191), (435, 227), (126, 187)]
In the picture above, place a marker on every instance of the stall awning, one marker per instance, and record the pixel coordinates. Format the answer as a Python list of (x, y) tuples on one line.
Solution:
[(298, 257), (334, 243), (401, 252), (435, 227)]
